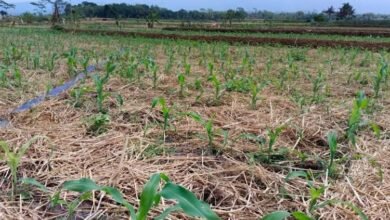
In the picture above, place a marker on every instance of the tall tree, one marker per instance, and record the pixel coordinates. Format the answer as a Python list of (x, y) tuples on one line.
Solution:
[(6, 5), (330, 11), (57, 5), (346, 11)]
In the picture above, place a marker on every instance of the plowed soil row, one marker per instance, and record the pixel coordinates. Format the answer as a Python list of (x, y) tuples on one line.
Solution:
[(324, 31), (247, 40)]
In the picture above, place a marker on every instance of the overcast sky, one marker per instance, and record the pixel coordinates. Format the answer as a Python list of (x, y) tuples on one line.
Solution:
[(362, 6)]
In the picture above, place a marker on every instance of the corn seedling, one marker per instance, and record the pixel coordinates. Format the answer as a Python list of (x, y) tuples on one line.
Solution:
[(380, 78), (151, 196), (332, 141), (207, 125), (182, 83), (314, 204), (187, 69), (272, 137), (165, 110), (154, 69), (355, 118), (17, 75), (71, 61), (217, 87), (85, 62), (210, 68), (99, 85), (13, 159), (318, 84), (199, 88), (77, 94), (255, 89), (50, 63)]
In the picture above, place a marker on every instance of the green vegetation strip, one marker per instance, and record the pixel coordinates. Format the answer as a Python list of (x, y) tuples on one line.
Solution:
[(247, 40), (327, 31)]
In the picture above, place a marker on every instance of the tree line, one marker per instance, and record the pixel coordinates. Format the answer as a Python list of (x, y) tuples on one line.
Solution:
[(151, 13)]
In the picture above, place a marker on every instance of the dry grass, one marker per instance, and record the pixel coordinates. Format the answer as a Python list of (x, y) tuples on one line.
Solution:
[(127, 154)]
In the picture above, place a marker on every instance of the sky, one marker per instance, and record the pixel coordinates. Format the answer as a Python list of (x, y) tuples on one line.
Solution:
[(361, 6)]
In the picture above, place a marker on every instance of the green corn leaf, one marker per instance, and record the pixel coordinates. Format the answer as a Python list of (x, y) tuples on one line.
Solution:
[(188, 201), (277, 215), (82, 185), (34, 182), (196, 117), (148, 196), (167, 211), (117, 196), (301, 216), (295, 174)]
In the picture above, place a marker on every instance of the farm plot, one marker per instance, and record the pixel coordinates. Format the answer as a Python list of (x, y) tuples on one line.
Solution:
[(250, 130), (287, 40)]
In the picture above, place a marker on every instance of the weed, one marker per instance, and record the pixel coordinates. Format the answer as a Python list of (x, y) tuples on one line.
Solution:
[(97, 124)]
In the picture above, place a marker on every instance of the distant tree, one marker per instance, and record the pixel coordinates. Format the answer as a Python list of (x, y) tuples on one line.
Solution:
[(152, 18), (240, 14), (346, 11), (6, 5), (230, 15), (3, 13), (330, 11), (58, 7), (319, 18)]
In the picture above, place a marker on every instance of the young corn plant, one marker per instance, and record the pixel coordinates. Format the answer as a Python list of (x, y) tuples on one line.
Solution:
[(99, 85), (187, 69), (13, 159), (255, 89), (273, 135), (17, 76), (182, 83), (210, 68), (217, 87), (85, 62), (332, 141), (318, 84), (50, 63), (315, 194), (154, 70), (165, 110), (380, 78), (199, 88), (355, 118), (158, 187), (71, 61), (208, 127)]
